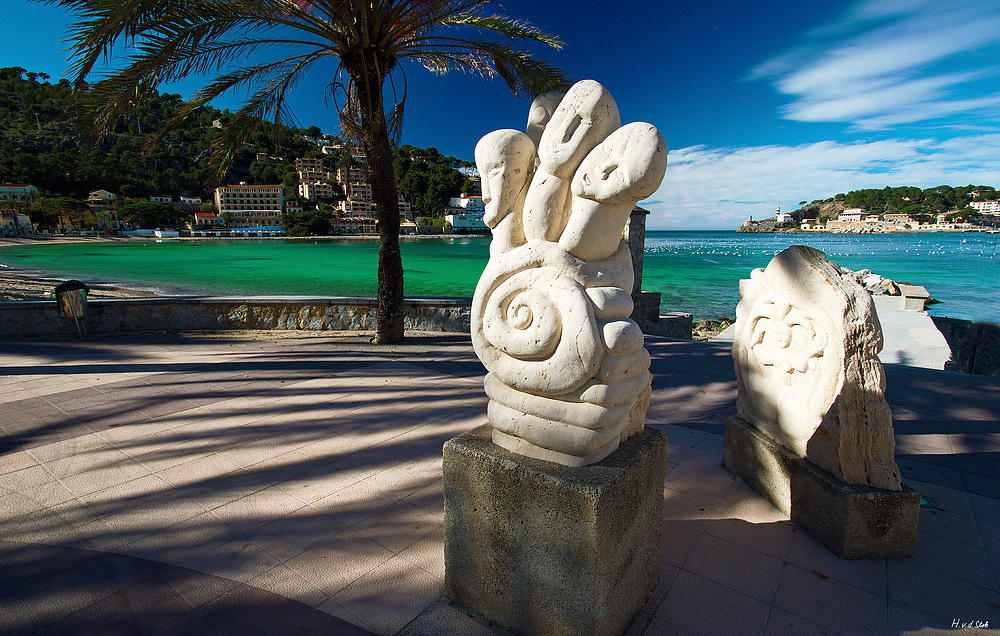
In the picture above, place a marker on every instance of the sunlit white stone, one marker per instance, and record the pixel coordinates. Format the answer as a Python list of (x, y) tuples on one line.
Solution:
[(568, 376)]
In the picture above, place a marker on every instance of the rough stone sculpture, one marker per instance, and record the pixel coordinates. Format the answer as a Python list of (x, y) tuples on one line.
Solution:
[(805, 351), (568, 375)]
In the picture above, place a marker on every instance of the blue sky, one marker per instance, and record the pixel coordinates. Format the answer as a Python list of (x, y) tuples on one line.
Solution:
[(762, 104)]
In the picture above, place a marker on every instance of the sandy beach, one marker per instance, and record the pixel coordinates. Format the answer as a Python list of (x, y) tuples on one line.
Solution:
[(19, 286), (22, 285)]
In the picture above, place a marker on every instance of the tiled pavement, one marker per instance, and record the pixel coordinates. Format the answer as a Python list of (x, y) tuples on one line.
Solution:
[(185, 484)]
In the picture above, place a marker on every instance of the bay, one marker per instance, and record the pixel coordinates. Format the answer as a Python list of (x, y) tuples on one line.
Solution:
[(696, 271)]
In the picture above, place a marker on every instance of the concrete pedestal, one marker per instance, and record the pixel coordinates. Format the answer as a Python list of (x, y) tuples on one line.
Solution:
[(539, 548), (854, 522)]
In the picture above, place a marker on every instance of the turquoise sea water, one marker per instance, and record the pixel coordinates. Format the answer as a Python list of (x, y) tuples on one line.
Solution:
[(696, 271)]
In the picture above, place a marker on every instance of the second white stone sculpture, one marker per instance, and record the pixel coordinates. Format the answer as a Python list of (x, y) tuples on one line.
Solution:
[(805, 351), (568, 375)]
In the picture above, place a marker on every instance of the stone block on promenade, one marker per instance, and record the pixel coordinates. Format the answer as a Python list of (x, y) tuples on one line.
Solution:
[(540, 548), (853, 521)]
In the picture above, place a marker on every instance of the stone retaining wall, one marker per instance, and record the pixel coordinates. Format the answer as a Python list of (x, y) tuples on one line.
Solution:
[(308, 313), (209, 313), (975, 346)]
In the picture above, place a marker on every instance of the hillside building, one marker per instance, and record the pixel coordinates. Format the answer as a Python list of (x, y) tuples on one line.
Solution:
[(17, 191), (250, 205), (14, 221), (986, 207)]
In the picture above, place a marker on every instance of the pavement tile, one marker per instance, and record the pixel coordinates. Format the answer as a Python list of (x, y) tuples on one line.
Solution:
[(190, 624), (709, 486), (678, 540), (430, 498), (399, 525), (443, 617), (143, 607), (940, 595), (780, 623), (985, 508), (355, 503), (712, 558), (257, 509), (770, 538), (750, 505), (196, 588), (808, 553), (948, 499), (676, 452), (12, 462), (700, 606), (65, 592), (339, 562), (391, 595), (907, 620), (693, 511), (249, 610), (837, 606), (186, 540), (428, 553), (948, 525), (284, 581), (950, 557), (293, 534), (657, 627)]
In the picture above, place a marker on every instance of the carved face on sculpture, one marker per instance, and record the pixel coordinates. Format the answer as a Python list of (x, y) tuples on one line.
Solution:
[(585, 116), (540, 114), (505, 159), (626, 167)]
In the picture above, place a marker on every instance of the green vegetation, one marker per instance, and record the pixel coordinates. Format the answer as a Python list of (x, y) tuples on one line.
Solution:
[(41, 143), (427, 179), (912, 200), (308, 222), (151, 215)]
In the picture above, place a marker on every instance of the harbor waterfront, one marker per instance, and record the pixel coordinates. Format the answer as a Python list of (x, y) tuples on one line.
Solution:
[(696, 271)]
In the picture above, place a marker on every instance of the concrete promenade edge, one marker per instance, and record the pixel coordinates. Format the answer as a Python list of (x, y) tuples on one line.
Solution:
[(267, 483)]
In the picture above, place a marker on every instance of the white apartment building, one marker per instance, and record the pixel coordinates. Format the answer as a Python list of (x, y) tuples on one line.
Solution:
[(250, 205), (986, 207), (17, 191), (315, 190), (304, 164), (161, 198), (471, 204), (99, 197)]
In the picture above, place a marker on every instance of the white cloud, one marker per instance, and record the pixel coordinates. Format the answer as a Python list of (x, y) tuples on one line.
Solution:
[(888, 57), (718, 188)]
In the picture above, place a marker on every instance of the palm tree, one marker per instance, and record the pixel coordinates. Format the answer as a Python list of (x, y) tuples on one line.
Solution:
[(268, 45)]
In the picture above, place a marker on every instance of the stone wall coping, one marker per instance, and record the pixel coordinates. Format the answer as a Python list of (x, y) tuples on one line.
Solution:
[(451, 301)]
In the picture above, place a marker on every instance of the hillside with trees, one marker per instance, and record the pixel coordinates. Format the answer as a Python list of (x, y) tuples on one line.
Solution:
[(910, 200), (427, 179), (43, 144)]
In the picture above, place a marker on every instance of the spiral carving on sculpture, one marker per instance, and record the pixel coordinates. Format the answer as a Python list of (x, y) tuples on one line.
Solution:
[(524, 319), (568, 376)]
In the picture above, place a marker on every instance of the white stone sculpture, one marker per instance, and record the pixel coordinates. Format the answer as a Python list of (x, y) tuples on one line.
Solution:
[(807, 371), (568, 375)]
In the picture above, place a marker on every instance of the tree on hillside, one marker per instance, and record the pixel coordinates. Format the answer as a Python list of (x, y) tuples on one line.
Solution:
[(169, 41), (308, 222), (52, 212), (148, 215)]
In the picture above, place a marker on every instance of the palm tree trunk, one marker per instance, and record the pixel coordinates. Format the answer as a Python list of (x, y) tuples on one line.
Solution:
[(378, 148)]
